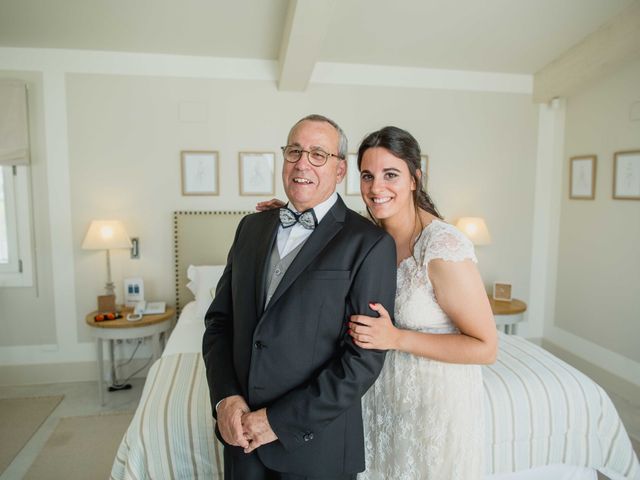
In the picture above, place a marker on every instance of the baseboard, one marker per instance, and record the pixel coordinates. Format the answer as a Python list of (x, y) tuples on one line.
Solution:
[(63, 372), (608, 360)]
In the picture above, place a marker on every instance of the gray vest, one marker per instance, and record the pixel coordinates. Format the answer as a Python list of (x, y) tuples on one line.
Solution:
[(277, 268)]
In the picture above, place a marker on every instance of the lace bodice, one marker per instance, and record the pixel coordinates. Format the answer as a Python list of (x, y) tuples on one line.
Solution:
[(423, 419), (416, 305)]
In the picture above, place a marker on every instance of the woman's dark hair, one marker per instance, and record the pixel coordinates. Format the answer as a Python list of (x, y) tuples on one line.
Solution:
[(401, 144)]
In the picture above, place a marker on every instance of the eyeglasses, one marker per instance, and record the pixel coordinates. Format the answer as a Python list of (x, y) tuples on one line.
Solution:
[(316, 156)]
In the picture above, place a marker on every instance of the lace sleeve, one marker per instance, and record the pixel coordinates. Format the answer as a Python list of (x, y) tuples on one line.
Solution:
[(446, 242)]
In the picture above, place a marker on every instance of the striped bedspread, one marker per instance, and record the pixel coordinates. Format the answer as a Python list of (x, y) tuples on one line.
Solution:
[(539, 411)]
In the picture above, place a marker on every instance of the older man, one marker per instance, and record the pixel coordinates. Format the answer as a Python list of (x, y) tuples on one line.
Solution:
[(285, 378)]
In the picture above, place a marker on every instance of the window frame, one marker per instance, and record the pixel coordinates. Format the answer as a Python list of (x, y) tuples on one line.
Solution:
[(19, 271)]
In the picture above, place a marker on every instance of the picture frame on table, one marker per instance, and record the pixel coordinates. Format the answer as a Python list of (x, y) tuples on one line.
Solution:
[(352, 178), (626, 175), (257, 173), (199, 172), (502, 291), (582, 177)]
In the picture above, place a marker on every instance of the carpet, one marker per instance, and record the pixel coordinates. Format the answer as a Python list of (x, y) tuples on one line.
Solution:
[(81, 447), (20, 418)]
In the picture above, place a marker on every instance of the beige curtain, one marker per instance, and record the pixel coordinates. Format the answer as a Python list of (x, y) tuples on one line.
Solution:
[(14, 130)]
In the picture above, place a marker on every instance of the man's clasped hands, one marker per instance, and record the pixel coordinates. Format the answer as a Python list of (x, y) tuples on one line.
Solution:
[(241, 427)]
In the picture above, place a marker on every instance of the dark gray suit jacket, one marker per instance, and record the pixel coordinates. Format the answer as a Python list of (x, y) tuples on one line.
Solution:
[(295, 357)]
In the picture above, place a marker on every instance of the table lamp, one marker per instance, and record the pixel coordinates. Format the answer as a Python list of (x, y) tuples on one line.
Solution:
[(106, 235), (476, 229)]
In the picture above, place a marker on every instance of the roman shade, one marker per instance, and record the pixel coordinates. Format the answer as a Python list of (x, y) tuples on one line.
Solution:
[(14, 129)]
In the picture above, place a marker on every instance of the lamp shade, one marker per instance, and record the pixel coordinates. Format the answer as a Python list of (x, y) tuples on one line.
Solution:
[(106, 235), (476, 229)]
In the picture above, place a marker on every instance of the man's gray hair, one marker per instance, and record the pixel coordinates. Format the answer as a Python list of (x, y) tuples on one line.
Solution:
[(314, 117)]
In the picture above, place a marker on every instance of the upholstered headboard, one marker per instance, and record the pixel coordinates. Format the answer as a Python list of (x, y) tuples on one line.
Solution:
[(200, 238)]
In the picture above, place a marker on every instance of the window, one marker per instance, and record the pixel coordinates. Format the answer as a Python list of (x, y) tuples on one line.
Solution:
[(15, 232)]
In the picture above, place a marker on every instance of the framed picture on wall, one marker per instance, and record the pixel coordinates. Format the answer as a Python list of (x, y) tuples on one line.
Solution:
[(424, 167), (626, 175), (199, 172), (352, 180), (257, 173), (582, 177)]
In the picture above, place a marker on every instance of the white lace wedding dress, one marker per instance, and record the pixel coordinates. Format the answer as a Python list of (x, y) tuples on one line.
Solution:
[(423, 419)]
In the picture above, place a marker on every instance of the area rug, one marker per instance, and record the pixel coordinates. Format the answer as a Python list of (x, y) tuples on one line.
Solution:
[(20, 418), (81, 447)]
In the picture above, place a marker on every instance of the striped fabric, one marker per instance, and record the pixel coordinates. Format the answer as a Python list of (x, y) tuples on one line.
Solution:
[(539, 411)]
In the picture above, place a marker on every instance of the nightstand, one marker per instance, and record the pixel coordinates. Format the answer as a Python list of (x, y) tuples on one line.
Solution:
[(507, 313), (122, 329)]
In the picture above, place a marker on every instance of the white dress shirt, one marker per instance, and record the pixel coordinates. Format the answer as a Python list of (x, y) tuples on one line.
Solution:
[(290, 238)]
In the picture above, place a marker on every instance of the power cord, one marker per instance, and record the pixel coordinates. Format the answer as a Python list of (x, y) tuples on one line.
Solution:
[(123, 385)]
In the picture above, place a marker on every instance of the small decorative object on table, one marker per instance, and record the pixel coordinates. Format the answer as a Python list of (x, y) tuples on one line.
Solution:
[(133, 291), (106, 303), (502, 291)]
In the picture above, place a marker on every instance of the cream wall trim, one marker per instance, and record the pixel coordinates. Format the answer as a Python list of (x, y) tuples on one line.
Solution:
[(57, 148), (618, 365), (36, 354), (611, 45), (383, 76), (83, 371), (546, 221), (80, 351), (303, 36), (119, 63)]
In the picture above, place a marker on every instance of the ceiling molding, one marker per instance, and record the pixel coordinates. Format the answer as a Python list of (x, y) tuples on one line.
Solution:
[(146, 64), (612, 45), (305, 28), (178, 66)]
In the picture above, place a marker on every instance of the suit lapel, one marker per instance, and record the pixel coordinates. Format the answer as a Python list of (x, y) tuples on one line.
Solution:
[(267, 236), (330, 225)]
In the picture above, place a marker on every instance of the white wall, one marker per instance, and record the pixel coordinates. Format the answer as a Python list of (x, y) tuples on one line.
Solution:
[(114, 137), (598, 283)]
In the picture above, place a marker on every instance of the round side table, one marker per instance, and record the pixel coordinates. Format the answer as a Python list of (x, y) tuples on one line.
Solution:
[(122, 329), (507, 313)]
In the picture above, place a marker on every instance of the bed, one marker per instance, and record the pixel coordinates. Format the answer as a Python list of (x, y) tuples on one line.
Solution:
[(544, 419)]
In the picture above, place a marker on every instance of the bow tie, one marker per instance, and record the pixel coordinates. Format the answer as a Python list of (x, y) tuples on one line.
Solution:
[(289, 218)]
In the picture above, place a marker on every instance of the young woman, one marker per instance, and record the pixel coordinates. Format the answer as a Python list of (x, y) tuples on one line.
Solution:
[(423, 417)]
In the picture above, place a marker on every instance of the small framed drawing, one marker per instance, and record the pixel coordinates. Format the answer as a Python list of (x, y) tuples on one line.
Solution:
[(424, 168), (502, 291), (257, 173), (199, 171), (352, 180), (582, 177), (626, 175)]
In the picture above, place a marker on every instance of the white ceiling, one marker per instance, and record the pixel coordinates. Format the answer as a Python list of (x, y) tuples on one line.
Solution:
[(512, 36)]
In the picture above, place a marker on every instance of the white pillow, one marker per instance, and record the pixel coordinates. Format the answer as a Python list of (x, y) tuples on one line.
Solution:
[(203, 282)]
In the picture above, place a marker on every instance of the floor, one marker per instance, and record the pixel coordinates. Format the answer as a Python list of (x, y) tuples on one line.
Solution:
[(80, 399)]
